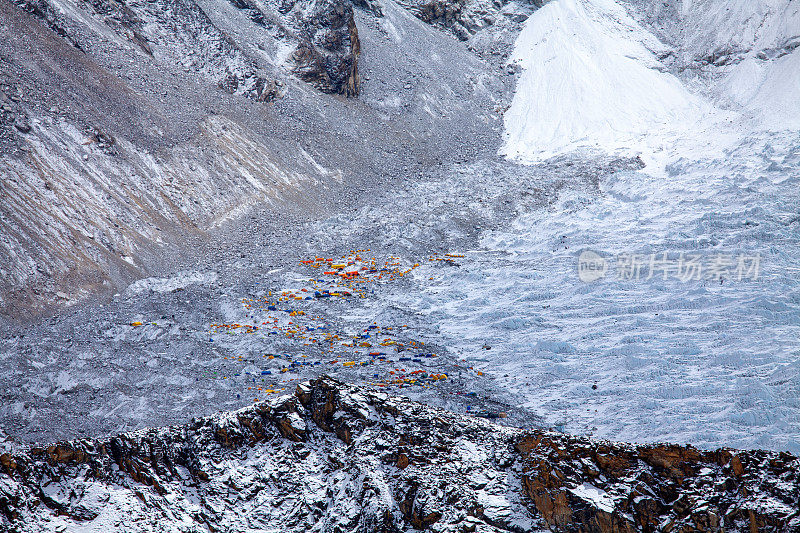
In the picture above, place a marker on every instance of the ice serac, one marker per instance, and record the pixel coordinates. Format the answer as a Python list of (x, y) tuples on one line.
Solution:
[(334, 457)]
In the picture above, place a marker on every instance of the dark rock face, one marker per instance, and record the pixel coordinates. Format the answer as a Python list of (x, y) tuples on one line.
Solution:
[(464, 18), (580, 485), (327, 55), (327, 45), (444, 13), (488, 27), (333, 457)]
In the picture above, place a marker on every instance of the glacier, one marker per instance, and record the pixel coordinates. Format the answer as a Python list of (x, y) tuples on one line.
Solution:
[(705, 93), (711, 361)]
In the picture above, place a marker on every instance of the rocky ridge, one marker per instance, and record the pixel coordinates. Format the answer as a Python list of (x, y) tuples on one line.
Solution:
[(324, 38), (489, 27), (334, 457)]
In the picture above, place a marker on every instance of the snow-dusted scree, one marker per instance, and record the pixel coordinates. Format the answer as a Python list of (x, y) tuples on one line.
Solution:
[(333, 457)]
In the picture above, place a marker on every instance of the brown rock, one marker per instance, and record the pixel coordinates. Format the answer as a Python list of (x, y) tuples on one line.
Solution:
[(611, 465), (402, 461), (678, 461), (8, 463), (736, 466)]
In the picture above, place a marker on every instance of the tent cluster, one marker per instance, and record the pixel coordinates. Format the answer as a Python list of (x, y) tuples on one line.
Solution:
[(292, 320)]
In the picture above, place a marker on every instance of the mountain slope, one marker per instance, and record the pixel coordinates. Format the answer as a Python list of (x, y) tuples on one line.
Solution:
[(640, 76), (591, 78), (130, 131)]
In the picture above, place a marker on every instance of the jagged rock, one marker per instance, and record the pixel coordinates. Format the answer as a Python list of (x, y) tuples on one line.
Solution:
[(402, 461), (464, 18), (488, 27), (22, 124), (327, 55), (580, 485), (313, 461)]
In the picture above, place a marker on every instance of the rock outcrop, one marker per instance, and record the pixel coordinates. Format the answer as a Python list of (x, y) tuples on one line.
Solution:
[(334, 457), (331, 457), (581, 485), (327, 54), (488, 26)]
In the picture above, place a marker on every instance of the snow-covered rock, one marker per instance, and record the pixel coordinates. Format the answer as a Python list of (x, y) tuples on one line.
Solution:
[(312, 462)]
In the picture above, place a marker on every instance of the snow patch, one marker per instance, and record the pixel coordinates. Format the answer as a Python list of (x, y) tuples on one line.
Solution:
[(597, 497), (181, 280)]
